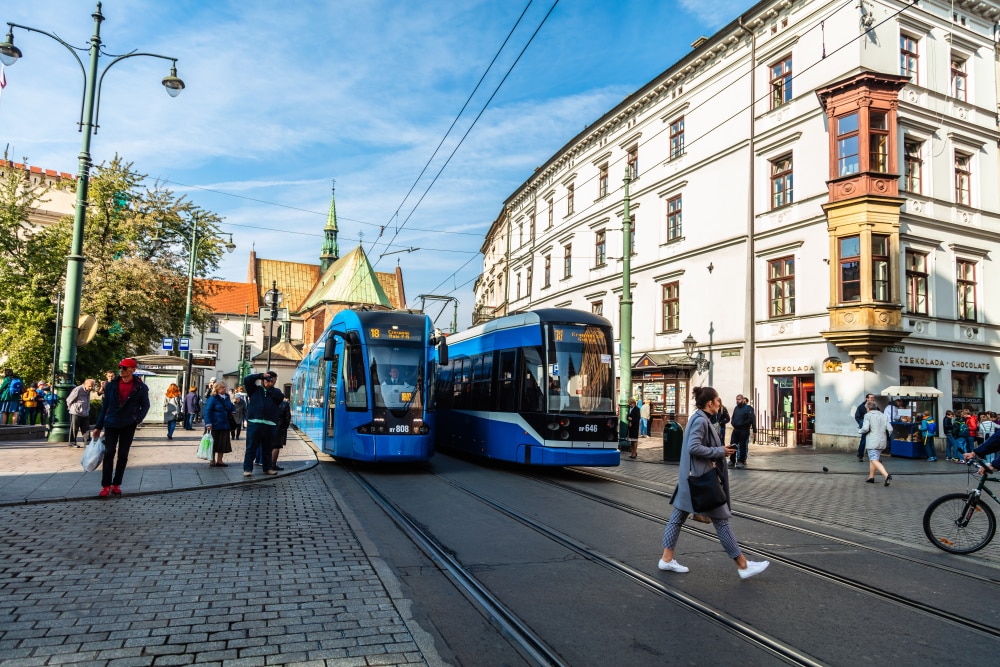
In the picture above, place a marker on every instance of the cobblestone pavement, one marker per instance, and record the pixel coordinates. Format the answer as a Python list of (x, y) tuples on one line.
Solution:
[(264, 572), (275, 570)]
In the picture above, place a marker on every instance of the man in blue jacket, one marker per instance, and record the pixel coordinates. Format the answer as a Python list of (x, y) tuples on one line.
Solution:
[(263, 414), (126, 402)]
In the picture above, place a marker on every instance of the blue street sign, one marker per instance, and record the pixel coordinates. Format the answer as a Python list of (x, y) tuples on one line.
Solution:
[(184, 344), (168, 344)]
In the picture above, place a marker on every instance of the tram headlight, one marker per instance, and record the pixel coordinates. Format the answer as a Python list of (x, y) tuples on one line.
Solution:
[(564, 435), (424, 429), (552, 426)]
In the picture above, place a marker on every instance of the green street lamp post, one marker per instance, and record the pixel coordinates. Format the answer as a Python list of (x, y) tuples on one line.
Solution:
[(9, 54), (625, 359)]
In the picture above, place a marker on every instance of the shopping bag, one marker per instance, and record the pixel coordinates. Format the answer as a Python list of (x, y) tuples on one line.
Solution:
[(93, 454), (205, 447)]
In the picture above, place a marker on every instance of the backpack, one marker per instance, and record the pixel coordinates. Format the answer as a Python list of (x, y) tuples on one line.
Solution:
[(30, 398), (16, 387), (931, 427), (963, 428)]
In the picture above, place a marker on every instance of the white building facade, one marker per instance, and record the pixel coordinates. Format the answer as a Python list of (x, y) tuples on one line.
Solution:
[(814, 197)]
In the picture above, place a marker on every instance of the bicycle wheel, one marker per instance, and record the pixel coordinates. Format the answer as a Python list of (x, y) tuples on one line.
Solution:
[(959, 523)]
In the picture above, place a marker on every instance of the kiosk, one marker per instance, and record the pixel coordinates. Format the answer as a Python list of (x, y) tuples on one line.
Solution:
[(905, 410)]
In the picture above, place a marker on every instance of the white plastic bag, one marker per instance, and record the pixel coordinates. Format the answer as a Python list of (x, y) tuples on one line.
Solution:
[(205, 447), (93, 454)]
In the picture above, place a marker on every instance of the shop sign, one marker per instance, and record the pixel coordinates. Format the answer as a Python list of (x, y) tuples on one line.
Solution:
[(899, 349), (920, 361), (795, 368), (731, 353), (971, 365)]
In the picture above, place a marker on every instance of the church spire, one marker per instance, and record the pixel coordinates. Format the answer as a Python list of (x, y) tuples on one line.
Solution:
[(330, 253)]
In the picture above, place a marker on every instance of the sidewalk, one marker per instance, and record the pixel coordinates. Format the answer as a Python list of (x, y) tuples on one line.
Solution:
[(807, 459), (34, 470)]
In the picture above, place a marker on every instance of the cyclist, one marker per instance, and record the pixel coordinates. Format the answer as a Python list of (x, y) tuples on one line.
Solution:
[(991, 445)]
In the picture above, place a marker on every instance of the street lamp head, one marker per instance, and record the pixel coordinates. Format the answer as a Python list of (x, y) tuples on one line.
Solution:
[(689, 345), (8, 52), (229, 245), (172, 83)]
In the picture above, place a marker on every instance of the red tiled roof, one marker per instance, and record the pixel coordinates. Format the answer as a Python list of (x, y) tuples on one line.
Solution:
[(223, 296)]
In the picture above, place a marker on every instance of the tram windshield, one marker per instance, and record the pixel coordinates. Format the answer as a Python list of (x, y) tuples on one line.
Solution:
[(580, 376), (397, 374)]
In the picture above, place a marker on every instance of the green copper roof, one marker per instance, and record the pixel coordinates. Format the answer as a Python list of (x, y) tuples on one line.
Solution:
[(330, 252), (350, 280)]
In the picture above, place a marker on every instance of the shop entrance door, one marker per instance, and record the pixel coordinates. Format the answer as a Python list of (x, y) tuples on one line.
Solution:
[(805, 409)]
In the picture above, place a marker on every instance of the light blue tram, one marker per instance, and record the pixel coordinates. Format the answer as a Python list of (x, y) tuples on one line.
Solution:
[(361, 392), (535, 388)]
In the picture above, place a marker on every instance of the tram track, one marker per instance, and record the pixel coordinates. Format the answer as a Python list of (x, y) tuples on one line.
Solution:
[(786, 526), (518, 630), (821, 573)]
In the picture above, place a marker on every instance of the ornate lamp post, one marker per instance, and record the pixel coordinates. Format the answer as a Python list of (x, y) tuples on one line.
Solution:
[(9, 54), (273, 297), (700, 362)]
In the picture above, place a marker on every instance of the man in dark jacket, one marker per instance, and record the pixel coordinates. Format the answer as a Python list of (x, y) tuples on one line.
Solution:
[(859, 417), (126, 402), (263, 414), (743, 421)]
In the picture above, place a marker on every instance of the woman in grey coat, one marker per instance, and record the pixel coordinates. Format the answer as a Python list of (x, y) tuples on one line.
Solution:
[(702, 450)]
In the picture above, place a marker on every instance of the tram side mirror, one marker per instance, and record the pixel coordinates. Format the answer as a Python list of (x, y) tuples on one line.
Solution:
[(442, 352), (330, 349)]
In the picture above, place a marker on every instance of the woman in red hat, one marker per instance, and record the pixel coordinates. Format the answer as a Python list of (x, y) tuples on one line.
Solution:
[(126, 402)]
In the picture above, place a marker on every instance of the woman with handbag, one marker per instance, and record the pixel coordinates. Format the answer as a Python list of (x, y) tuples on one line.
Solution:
[(171, 409), (702, 478), (218, 409)]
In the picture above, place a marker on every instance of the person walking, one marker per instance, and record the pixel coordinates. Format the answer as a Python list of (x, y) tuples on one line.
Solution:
[(634, 416), (928, 429), (643, 419), (171, 409), (78, 406), (701, 451), (950, 448), (239, 415), (192, 406), (721, 419), (743, 422), (29, 399), (263, 403), (10, 397), (218, 408), (859, 417), (878, 428), (281, 436), (126, 402)]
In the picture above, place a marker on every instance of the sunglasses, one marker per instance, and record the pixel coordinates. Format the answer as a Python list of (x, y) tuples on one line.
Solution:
[(125, 368), (268, 379)]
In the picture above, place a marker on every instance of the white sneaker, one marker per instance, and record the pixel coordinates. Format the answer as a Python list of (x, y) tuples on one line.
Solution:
[(672, 566), (753, 567)]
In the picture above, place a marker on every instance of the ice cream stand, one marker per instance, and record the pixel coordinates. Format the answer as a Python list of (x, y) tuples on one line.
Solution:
[(905, 411)]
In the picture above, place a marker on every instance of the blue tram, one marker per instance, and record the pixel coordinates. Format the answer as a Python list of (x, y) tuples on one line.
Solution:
[(360, 393), (534, 388)]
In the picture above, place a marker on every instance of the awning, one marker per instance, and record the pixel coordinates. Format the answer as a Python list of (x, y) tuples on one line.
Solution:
[(911, 392)]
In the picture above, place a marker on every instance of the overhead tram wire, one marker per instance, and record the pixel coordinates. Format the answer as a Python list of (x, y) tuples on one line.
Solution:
[(461, 111), (303, 210), (712, 97), (476, 119)]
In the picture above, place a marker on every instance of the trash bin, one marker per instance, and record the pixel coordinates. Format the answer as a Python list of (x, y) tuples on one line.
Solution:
[(673, 437)]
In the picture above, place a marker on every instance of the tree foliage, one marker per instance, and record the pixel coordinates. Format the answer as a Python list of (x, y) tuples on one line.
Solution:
[(137, 246)]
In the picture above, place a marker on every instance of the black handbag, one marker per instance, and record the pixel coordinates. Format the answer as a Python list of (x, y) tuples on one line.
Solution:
[(706, 490)]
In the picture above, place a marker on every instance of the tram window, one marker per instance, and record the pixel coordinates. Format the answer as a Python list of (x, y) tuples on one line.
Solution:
[(506, 389), (532, 370), (459, 383), (355, 386)]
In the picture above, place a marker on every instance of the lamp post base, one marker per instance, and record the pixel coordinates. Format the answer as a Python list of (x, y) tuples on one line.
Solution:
[(60, 421)]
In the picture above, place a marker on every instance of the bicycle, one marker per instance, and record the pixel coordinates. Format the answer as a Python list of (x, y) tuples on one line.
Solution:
[(961, 523)]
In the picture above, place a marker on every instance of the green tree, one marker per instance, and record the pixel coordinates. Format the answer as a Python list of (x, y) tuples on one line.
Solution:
[(137, 248)]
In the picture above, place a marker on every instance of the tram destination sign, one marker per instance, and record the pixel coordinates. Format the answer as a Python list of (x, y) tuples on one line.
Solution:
[(395, 333)]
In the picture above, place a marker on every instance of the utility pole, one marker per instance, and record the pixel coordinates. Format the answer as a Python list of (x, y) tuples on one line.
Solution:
[(625, 358)]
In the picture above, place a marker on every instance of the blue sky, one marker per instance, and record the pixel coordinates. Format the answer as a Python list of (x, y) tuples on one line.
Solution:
[(282, 98)]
